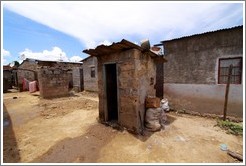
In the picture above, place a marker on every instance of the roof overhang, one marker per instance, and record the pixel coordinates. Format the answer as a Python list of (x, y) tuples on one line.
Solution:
[(117, 47)]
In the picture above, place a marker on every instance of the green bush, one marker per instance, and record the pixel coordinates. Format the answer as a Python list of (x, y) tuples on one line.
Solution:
[(232, 128)]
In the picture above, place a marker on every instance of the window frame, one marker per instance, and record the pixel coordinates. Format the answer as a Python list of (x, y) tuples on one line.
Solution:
[(240, 67), (93, 72)]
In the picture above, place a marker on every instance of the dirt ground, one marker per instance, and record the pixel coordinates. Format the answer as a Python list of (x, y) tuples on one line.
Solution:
[(66, 130)]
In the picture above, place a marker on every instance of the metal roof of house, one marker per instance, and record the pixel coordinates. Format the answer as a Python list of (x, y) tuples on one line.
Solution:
[(6, 67), (117, 47), (194, 35), (48, 61), (86, 58)]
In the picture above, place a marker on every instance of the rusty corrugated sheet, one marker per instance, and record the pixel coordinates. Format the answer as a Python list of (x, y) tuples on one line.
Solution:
[(194, 35), (117, 47)]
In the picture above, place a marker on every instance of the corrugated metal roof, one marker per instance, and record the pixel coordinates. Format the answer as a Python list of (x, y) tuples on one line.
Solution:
[(115, 47), (86, 58), (225, 29), (6, 67), (48, 61)]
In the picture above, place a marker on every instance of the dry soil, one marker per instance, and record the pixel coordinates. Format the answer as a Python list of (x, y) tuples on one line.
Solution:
[(66, 130)]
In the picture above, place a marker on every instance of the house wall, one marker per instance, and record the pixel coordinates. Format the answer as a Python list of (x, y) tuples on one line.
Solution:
[(7, 80), (53, 82), (90, 84), (136, 80), (27, 70), (191, 74), (78, 83), (28, 74)]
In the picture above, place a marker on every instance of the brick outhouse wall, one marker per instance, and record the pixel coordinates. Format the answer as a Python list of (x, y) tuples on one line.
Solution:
[(53, 82), (191, 73), (136, 80), (90, 84)]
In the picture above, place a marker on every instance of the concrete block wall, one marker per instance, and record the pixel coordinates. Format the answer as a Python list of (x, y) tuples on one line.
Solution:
[(191, 73), (90, 83), (194, 60), (53, 82), (78, 79), (136, 80)]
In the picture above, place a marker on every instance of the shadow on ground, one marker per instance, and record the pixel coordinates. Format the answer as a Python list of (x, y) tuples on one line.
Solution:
[(10, 148), (84, 149)]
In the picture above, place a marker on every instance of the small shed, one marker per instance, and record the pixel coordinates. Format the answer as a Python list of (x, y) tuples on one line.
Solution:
[(126, 76)]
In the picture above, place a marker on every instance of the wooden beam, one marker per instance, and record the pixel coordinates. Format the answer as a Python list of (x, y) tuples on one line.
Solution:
[(227, 91)]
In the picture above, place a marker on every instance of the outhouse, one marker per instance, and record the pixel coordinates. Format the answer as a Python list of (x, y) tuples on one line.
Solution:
[(126, 76)]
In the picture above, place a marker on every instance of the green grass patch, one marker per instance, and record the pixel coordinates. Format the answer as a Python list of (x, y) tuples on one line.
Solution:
[(230, 127)]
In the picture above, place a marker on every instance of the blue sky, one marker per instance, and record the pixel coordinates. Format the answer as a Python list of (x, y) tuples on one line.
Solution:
[(54, 30)]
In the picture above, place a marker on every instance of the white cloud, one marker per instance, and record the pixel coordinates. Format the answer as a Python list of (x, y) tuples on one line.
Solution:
[(95, 22), (5, 53), (75, 59), (105, 42), (55, 54)]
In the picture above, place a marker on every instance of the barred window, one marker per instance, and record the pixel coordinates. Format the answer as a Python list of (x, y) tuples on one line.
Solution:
[(236, 75), (93, 74)]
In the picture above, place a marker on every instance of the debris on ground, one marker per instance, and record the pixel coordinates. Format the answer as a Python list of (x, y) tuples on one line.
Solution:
[(164, 105), (235, 155), (223, 147)]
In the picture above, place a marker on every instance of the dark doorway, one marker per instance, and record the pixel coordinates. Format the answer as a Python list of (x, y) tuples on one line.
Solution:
[(111, 90)]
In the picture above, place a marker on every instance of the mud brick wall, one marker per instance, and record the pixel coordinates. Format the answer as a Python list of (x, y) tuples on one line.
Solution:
[(28, 74), (7, 80), (136, 80), (53, 82), (90, 83)]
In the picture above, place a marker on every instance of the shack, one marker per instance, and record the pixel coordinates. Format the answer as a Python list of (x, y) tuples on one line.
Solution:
[(195, 77), (126, 76)]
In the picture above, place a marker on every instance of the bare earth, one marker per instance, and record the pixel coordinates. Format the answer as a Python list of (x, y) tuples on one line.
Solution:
[(66, 130)]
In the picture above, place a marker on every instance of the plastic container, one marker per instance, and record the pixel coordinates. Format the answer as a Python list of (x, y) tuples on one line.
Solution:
[(223, 147)]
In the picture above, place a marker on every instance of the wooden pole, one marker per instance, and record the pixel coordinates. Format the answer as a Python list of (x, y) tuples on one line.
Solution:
[(227, 91), (235, 155)]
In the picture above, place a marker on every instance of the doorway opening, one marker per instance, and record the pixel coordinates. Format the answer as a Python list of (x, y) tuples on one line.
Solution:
[(111, 90)]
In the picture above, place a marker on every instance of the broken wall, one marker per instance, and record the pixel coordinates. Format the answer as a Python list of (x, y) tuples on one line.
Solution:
[(28, 70), (136, 80), (53, 82), (191, 74)]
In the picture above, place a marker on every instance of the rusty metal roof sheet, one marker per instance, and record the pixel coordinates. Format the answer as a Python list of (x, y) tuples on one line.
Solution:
[(114, 47), (117, 47), (184, 37)]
